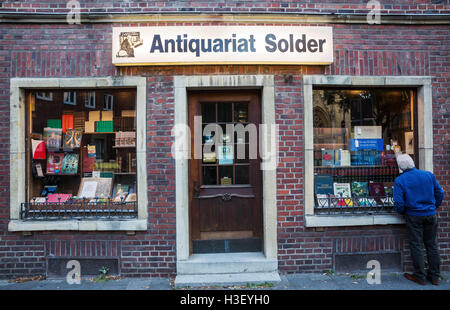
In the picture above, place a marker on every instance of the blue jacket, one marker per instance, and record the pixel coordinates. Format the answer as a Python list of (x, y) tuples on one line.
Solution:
[(417, 192)]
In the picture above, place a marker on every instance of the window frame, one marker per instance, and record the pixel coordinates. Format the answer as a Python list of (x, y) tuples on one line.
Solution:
[(89, 101), (45, 96), (422, 84), (18, 86), (184, 84), (70, 95)]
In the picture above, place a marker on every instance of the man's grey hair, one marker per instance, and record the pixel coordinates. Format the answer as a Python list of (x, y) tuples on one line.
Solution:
[(405, 162)]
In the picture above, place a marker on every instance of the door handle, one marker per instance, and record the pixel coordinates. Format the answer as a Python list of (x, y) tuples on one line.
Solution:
[(196, 188)]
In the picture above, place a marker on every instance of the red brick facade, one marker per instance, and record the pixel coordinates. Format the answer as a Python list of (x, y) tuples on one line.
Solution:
[(62, 50), (222, 6)]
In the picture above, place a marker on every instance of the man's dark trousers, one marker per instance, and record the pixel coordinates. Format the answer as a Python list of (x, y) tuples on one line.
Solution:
[(423, 230)]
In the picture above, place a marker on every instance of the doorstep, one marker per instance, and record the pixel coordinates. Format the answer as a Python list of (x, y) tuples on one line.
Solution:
[(226, 269), (227, 279)]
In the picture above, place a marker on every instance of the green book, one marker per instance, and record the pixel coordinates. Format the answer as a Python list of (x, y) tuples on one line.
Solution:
[(70, 164), (54, 123), (360, 189)]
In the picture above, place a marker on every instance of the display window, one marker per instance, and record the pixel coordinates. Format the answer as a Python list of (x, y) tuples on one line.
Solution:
[(357, 135), (81, 154)]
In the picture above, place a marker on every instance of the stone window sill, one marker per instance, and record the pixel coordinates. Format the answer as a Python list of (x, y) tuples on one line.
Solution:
[(352, 220), (78, 225)]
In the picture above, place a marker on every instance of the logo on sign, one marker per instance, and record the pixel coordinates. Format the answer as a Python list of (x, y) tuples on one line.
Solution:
[(128, 41)]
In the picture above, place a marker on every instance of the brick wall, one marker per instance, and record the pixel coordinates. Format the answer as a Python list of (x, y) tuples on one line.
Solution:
[(59, 50), (246, 6)]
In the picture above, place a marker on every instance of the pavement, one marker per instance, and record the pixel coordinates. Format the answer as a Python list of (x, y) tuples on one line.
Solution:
[(308, 281)]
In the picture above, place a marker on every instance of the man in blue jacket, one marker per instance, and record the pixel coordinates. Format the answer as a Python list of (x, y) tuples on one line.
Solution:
[(417, 194)]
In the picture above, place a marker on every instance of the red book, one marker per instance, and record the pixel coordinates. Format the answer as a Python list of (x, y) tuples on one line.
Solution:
[(88, 162), (376, 189), (54, 163), (38, 147), (58, 197), (67, 122)]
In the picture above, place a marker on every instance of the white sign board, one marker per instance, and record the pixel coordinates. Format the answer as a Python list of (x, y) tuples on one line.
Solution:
[(222, 45)]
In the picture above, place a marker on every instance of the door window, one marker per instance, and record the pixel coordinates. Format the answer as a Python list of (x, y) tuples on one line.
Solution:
[(225, 152)]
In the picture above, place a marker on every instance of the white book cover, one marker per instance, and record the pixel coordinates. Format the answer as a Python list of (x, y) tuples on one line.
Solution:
[(342, 190), (323, 200), (368, 132)]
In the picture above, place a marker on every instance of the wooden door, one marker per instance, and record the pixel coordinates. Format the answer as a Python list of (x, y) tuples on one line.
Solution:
[(225, 189)]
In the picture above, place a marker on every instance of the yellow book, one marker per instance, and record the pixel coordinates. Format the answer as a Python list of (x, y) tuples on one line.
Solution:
[(107, 115), (89, 126), (94, 116)]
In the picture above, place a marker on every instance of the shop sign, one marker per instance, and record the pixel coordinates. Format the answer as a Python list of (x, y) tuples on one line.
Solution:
[(182, 45)]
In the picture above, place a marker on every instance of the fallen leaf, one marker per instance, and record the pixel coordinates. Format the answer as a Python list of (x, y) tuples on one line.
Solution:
[(27, 279)]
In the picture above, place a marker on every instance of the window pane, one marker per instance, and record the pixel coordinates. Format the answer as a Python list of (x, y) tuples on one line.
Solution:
[(208, 112), (241, 113), (242, 174), (209, 154), (87, 151), (209, 175), (224, 112), (241, 136), (209, 133), (356, 135), (226, 175), (242, 153)]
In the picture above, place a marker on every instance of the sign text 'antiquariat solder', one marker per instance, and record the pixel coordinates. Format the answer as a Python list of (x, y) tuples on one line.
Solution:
[(222, 44)]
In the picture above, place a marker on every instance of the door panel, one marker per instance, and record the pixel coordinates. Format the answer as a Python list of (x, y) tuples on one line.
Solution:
[(225, 184), (226, 209)]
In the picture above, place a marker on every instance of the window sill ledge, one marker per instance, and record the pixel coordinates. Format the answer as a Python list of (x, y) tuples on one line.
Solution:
[(78, 225), (352, 220)]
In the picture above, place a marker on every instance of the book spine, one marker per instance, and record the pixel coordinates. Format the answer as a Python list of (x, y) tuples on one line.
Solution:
[(129, 162)]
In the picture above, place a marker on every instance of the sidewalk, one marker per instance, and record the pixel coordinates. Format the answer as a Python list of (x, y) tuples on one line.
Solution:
[(389, 281)]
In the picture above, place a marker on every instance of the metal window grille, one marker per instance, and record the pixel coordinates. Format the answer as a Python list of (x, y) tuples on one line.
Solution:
[(83, 209), (333, 205)]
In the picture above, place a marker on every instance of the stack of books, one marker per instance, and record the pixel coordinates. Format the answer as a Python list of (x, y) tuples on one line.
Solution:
[(99, 121)]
